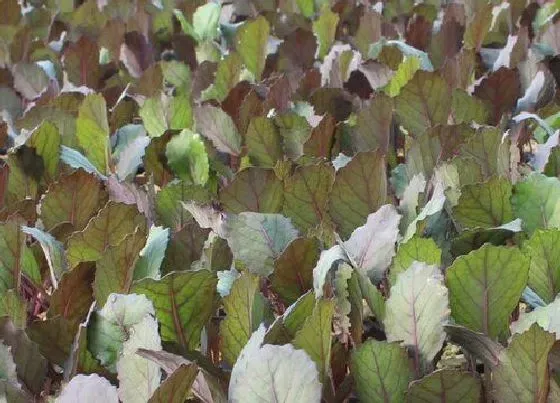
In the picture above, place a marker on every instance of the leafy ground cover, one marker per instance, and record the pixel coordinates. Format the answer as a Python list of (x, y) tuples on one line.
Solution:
[(279, 201)]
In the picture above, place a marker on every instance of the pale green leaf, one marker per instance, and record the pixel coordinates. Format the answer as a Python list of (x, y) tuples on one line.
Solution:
[(258, 239), (547, 317), (372, 246), (272, 373), (139, 377), (217, 126), (417, 310), (88, 389), (151, 256)]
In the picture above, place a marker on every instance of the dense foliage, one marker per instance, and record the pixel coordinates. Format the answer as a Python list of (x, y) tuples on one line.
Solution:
[(279, 201)]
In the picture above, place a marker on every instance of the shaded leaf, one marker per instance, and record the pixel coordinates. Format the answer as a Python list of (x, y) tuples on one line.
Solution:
[(306, 195), (74, 199), (359, 189), (253, 189), (446, 385), (293, 269)]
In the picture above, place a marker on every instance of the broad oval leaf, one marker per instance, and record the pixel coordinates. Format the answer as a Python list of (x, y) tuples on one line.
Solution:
[(272, 373), (417, 310), (485, 287)]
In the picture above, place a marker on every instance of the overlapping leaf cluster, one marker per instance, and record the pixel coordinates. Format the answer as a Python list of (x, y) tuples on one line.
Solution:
[(279, 200)]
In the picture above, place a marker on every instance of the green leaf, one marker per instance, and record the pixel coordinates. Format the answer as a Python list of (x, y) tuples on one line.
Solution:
[(446, 385), (108, 228), (478, 26), (415, 249), (245, 309), (423, 102), (74, 198), (307, 7), (116, 267), (258, 239), (273, 373), (46, 142), (371, 247), (417, 310), (485, 287), (484, 205), (373, 297), (536, 200), (153, 253), (306, 195), (13, 306), (183, 303), (324, 29), (293, 269), (467, 109), (360, 188), (405, 72), (168, 202), (544, 272), (314, 337), (12, 244), (523, 373), (253, 189), (177, 386), (216, 125), (251, 42), (381, 372), (263, 142), (227, 76), (163, 112), (489, 151), (186, 155), (92, 131)]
